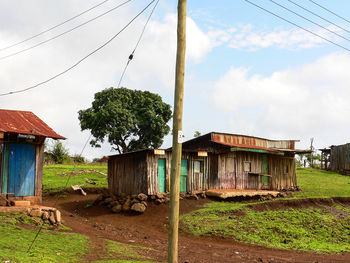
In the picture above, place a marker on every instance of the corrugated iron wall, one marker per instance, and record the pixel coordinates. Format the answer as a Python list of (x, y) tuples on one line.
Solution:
[(231, 139), (340, 157)]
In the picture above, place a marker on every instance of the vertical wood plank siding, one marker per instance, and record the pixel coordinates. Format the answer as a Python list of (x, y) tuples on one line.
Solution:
[(128, 174), (340, 158), (238, 178), (283, 173), (136, 173)]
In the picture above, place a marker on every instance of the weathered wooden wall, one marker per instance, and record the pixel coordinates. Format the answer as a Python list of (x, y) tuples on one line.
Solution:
[(231, 174), (128, 173), (283, 172), (340, 158)]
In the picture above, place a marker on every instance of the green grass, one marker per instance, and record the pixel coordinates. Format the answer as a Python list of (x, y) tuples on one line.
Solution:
[(50, 246), (53, 180), (320, 230), (56, 246), (321, 184), (309, 229)]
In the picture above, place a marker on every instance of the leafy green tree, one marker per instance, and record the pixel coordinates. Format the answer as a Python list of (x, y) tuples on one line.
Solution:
[(130, 119), (58, 154)]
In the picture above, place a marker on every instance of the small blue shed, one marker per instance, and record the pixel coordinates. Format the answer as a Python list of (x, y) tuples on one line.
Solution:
[(22, 137)]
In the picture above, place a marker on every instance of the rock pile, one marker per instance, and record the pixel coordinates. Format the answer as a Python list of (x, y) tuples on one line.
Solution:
[(123, 203), (138, 203), (48, 214)]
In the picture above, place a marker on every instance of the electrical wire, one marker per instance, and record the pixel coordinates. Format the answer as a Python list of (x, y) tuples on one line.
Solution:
[(324, 19), (79, 61), (303, 17), (51, 28), (131, 56), (65, 32), (294, 24), (329, 11), (37, 234)]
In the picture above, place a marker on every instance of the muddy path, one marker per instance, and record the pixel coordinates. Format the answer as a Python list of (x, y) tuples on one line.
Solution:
[(150, 230)]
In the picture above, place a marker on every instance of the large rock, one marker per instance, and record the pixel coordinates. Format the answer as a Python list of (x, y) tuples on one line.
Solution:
[(58, 216), (160, 196), (117, 209), (138, 207), (108, 200), (142, 197), (36, 213), (127, 205), (45, 216), (52, 218)]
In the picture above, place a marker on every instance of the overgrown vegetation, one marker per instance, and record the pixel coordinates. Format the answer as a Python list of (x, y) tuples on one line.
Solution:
[(55, 176)]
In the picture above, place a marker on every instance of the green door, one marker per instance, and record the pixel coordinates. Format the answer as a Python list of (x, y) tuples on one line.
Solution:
[(264, 170), (183, 176), (161, 175)]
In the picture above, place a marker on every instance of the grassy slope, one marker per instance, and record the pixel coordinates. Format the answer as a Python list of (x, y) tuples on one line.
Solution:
[(54, 182), (321, 184), (48, 247), (316, 230)]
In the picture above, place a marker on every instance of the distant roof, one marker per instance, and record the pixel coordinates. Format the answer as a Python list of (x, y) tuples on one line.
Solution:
[(25, 122)]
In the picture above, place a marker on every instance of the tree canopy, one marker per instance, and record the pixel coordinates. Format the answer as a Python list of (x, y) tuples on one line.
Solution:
[(129, 119)]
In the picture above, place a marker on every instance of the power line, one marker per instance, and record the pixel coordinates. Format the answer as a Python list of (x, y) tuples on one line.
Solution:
[(51, 28), (324, 19), (131, 56), (144, 9), (79, 61), (294, 24), (65, 32), (329, 11), (295, 13)]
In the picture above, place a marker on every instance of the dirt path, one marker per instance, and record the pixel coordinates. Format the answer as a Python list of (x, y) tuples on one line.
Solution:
[(150, 230)]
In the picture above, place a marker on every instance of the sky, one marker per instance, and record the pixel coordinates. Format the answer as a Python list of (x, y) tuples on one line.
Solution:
[(247, 71)]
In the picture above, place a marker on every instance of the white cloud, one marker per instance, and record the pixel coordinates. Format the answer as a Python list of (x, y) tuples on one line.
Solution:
[(309, 101), (58, 102), (246, 37)]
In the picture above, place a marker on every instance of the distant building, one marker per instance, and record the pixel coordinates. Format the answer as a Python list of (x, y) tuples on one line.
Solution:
[(340, 158), (211, 161), (22, 137)]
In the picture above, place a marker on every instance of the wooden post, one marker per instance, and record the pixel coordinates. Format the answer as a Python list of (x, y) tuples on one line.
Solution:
[(177, 134)]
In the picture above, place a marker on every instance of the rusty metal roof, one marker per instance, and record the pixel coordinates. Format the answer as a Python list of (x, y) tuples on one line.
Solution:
[(25, 122)]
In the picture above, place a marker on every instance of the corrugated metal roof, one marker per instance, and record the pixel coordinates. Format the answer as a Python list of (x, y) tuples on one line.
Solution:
[(25, 122)]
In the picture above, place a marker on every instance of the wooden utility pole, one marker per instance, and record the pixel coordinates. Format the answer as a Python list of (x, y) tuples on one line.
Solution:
[(177, 134)]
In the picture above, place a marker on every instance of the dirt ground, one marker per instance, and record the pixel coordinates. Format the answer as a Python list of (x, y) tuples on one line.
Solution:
[(150, 230)]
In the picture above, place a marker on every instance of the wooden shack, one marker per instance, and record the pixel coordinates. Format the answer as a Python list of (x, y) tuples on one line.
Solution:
[(22, 137), (340, 158), (148, 171), (246, 162), (212, 161)]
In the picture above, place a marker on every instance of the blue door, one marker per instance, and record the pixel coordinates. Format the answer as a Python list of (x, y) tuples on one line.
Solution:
[(21, 169)]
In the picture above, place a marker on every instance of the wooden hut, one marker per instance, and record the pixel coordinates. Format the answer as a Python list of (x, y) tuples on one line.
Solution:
[(22, 136), (212, 161), (246, 162), (340, 158)]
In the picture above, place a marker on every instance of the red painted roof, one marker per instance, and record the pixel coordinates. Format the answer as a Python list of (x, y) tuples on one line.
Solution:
[(25, 122)]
